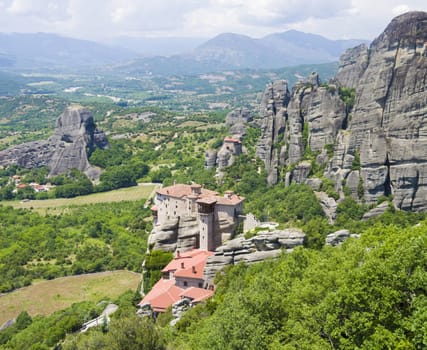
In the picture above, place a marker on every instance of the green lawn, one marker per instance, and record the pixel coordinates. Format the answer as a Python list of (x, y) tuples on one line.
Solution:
[(58, 205), (45, 297)]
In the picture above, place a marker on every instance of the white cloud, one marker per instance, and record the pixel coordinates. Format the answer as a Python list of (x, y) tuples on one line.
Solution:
[(398, 10), (39, 9), (94, 19)]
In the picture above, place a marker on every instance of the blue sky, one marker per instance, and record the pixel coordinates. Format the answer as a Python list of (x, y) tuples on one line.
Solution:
[(100, 19)]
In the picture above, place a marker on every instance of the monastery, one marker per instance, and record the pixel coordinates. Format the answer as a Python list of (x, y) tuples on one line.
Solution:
[(208, 206), (183, 276)]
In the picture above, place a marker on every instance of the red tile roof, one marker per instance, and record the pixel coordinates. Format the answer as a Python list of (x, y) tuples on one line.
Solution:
[(163, 294), (196, 294), (232, 199), (189, 259), (154, 208), (207, 200), (183, 190), (230, 139)]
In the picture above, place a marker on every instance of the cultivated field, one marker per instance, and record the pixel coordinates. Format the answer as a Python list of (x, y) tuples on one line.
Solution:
[(58, 205), (45, 297)]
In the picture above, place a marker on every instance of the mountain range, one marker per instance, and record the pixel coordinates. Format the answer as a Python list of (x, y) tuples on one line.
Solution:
[(226, 51)]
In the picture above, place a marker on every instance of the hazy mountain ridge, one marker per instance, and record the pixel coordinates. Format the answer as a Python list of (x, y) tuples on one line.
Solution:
[(43, 50), (274, 50), (227, 51)]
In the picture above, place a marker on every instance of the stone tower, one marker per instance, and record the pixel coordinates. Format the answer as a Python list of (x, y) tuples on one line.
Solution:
[(206, 209)]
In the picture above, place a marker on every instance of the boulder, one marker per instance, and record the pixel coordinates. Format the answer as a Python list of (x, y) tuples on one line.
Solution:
[(377, 211), (337, 237)]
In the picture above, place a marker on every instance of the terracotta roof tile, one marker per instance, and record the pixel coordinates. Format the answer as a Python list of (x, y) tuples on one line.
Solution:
[(230, 139), (229, 200), (183, 190), (196, 294), (163, 294), (189, 258)]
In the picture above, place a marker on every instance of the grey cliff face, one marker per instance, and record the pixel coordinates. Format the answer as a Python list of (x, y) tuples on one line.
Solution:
[(353, 63), (75, 135), (389, 119), (273, 118), (309, 118), (386, 129)]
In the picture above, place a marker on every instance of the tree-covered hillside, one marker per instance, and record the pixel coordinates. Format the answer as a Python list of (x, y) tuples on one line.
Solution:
[(91, 238)]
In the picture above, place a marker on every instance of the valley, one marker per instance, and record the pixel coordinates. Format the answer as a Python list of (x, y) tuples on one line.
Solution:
[(261, 208)]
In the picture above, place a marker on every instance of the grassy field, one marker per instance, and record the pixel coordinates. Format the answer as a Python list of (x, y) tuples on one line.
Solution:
[(45, 297), (58, 205)]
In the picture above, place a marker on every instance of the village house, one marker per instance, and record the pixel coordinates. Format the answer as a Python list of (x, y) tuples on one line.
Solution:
[(181, 278), (213, 211)]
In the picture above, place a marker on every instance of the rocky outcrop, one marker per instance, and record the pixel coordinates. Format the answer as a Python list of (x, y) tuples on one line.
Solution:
[(263, 246), (353, 63), (379, 145), (232, 147), (210, 159), (179, 309), (75, 136), (309, 119), (336, 238), (236, 120), (329, 206), (388, 128), (377, 211), (270, 147), (181, 234)]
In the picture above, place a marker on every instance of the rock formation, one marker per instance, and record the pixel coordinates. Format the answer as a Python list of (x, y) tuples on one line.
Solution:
[(309, 119), (183, 233), (388, 129), (263, 246), (232, 146), (236, 120), (270, 146), (375, 149), (175, 234), (75, 136), (353, 63)]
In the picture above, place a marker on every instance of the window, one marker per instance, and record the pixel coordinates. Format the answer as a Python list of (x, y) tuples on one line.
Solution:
[(185, 283), (200, 285)]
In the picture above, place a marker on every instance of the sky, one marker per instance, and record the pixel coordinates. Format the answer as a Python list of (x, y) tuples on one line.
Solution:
[(103, 19)]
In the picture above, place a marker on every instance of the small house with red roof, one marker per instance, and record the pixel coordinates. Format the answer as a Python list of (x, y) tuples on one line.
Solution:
[(181, 278)]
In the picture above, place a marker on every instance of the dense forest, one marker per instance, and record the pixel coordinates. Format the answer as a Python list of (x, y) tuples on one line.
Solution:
[(368, 293)]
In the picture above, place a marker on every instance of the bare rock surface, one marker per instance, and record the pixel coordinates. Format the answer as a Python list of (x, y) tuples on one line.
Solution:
[(264, 245), (379, 140), (388, 128), (75, 135)]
